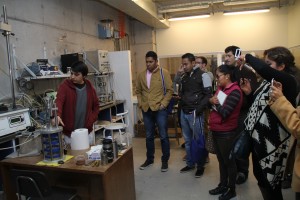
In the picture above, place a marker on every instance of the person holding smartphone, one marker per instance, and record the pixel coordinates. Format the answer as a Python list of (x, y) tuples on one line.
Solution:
[(231, 56), (290, 118), (270, 140)]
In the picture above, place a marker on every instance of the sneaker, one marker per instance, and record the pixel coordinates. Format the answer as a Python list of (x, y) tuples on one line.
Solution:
[(186, 169), (183, 145), (146, 164), (164, 167), (229, 194), (241, 178), (218, 190), (199, 173), (184, 158)]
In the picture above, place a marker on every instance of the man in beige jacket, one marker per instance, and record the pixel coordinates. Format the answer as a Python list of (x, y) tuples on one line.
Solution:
[(154, 92), (290, 118)]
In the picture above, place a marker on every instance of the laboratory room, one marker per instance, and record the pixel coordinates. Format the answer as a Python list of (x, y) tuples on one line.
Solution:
[(149, 99)]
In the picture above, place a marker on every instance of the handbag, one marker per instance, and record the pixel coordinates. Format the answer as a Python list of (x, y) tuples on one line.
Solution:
[(197, 146), (172, 101), (209, 143), (242, 146)]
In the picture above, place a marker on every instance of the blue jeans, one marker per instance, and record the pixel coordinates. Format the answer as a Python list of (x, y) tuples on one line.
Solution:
[(187, 128), (159, 118)]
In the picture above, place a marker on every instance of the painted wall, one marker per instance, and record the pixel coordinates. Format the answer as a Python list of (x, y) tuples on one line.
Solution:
[(56, 26), (250, 32), (293, 27)]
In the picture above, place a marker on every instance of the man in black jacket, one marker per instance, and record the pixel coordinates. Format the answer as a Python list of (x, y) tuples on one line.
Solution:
[(195, 93)]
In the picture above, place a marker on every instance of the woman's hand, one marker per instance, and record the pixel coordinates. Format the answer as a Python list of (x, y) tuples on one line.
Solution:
[(214, 100), (276, 91)]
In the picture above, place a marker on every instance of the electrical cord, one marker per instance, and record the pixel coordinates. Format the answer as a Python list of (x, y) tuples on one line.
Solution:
[(26, 141)]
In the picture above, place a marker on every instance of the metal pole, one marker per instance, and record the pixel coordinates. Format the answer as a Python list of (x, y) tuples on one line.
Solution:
[(7, 34)]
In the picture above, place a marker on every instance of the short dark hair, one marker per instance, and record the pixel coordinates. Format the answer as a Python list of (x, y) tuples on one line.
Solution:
[(81, 67), (151, 54), (228, 69), (189, 56), (231, 48), (204, 60)]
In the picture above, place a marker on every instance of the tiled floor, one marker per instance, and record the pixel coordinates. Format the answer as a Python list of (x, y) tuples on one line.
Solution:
[(151, 183)]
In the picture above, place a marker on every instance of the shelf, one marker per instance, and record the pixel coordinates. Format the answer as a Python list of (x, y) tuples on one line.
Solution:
[(49, 76)]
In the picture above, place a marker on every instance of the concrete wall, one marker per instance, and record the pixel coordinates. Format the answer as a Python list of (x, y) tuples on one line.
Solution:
[(209, 35), (55, 26), (142, 42)]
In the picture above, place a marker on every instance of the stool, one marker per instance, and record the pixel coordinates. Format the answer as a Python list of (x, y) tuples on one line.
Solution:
[(118, 126)]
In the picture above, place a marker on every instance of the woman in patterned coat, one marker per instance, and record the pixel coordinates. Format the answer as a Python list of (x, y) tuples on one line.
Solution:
[(270, 140)]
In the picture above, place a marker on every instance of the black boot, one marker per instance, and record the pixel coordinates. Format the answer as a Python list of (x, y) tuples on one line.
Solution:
[(218, 190), (229, 194)]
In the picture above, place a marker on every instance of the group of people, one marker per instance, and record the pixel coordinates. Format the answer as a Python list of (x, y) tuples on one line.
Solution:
[(246, 99), (259, 101)]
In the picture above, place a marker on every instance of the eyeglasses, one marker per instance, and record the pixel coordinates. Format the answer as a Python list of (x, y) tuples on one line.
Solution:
[(219, 75)]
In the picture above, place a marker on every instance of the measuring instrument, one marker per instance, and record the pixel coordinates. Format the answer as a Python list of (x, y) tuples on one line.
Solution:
[(13, 121)]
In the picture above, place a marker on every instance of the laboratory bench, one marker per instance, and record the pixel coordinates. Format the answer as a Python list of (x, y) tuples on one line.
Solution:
[(114, 181)]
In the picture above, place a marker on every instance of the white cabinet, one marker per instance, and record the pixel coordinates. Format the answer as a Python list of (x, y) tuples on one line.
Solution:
[(120, 63)]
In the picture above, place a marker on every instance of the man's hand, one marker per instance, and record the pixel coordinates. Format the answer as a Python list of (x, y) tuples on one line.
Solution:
[(162, 107), (59, 121)]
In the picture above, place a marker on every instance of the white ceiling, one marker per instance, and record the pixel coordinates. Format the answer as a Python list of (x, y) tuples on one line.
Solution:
[(152, 12)]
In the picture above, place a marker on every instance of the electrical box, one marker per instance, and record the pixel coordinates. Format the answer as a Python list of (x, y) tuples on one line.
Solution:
[(106, 29), (13, 121), (99, 59)]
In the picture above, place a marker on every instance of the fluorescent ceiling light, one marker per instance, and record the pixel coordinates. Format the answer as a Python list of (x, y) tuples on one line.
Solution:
[(177, 9), (234, 3), (246, 12), (189, 17)]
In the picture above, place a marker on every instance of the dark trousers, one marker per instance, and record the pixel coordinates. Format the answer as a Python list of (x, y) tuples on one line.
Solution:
[(297, 195), (242, 164), (223, 144), (151, 120)]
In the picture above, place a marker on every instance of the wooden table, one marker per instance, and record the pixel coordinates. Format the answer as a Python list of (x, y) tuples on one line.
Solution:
[(114, 181)]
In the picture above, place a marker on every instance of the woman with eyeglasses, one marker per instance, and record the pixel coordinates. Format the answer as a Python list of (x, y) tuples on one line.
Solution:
[(223, 122), (270, 140)]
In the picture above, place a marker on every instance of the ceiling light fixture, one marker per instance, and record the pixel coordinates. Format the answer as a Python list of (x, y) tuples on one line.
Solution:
[(235, 3), (178, 9), (246, 12), (189, 17)]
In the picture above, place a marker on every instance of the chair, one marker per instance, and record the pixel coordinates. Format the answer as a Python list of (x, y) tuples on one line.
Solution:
[(173, 127), (34, 185), (118, 125)]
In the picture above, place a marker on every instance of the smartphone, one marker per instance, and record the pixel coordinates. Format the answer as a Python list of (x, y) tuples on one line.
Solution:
[(272, 82), (237, 54)]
